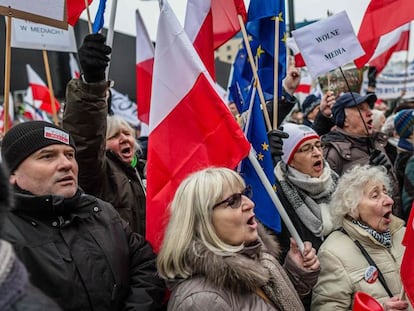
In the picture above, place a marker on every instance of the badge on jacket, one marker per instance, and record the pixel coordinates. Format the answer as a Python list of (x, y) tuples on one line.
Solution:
[(371, 274)]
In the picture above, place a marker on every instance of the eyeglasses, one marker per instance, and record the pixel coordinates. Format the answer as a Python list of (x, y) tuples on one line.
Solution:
[(309, 147), (234, 201)]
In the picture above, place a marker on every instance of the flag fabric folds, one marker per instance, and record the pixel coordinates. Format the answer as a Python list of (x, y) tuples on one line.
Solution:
[(299, 61), (99, 17), (11, 114), (211, 23), (190, 126), (75, 9), (396, 40), (261, 26), (381, 17), (40, 92), (74, 68), (264, 210), (407, 263), (143, 67)]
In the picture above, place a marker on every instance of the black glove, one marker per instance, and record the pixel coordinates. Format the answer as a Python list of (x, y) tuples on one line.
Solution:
[(93, 57), (379, 158), (276, 143)]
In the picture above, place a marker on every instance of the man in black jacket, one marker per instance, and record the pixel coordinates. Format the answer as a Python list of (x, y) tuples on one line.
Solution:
[(76, 247)]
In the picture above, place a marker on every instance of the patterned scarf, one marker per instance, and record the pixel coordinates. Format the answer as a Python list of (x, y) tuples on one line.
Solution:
[(13, 277), (307, 194), (383, 237)]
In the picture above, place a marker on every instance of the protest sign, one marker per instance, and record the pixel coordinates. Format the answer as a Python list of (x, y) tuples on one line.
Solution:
[(48, 12), (328, 44)]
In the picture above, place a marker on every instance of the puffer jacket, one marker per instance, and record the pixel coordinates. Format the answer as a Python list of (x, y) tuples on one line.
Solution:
[(343, 267), (82, 254), (228, 283), (101, 172), (343, 151)]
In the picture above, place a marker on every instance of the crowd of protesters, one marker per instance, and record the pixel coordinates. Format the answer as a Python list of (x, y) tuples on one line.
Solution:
[(72, 200)]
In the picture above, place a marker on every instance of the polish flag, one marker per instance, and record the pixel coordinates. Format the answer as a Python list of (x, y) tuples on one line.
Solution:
[(211, 23), (305, 83), (40, 92), (381, 17), (74, 68), (75, 9), (396, 40), (11, 114), (291, 44), (190, 125), (407, 263), (144, 66)]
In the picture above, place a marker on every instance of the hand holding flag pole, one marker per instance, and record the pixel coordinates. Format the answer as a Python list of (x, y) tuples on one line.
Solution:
[(255, 75)]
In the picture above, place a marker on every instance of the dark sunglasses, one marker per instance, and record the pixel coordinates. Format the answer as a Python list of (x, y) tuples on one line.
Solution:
[(234, 201)]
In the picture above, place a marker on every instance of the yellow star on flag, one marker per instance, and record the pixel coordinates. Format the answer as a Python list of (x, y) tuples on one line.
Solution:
[(260, 156), (265, 146)]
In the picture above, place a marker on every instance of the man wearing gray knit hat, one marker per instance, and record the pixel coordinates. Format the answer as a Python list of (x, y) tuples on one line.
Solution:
[(76, 247)]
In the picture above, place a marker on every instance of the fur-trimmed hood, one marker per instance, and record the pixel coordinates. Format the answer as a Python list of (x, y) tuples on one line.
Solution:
[(237, 272)]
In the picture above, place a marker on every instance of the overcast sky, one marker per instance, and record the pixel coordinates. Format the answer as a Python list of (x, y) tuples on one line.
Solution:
[(304, 9)]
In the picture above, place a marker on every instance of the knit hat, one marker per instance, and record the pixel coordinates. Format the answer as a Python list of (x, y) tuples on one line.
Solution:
[(348, 100), (404, 123), (25, 138), (298, 133), (310, 103)]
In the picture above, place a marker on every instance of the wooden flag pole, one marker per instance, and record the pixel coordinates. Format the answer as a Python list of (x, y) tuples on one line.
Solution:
[(88, 13), (255, 75), (276, 74), (49, 83), (7, 64)]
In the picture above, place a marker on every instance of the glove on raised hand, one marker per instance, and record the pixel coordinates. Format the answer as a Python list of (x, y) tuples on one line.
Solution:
[(276, 143), (93, 57), (379, 158)]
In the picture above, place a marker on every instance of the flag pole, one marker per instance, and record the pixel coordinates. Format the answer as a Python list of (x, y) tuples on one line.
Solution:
[(276, 74), (49, 83), (110, 36), (406, 58), (292, 230), (7, 64), (88, 13), (256, 76)]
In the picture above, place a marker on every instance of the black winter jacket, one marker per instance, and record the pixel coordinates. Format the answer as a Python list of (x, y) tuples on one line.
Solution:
[(82, 254)]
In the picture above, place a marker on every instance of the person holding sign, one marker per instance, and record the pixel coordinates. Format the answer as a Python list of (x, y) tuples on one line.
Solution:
[(364, 252)]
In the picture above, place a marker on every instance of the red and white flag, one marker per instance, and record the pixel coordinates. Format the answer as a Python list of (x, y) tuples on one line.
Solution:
[(396, 40), (407, 264), (291, 44), (211, 23), (40, 92), (11, 114), (75, 9), (74, 68), (381, 17), (190, 125), (305, 83), (144, 66)]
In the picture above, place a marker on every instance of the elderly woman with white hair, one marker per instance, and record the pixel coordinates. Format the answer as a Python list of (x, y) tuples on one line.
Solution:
[(364, 253), (215, 256)]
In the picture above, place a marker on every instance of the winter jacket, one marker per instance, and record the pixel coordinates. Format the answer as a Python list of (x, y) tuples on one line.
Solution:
[(101, 172), (343, 151), (343, 267), (82, 254), (227, 283), (407, 196)]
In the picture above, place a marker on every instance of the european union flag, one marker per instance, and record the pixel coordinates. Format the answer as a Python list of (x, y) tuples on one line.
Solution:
[(266, 212), (261, 26), (99, 17)]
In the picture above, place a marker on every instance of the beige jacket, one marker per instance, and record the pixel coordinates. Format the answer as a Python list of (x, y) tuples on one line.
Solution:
[(343, 267)]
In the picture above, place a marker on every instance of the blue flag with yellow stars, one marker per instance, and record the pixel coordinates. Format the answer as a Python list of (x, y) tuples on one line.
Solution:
[(261, 26), (266, 212)]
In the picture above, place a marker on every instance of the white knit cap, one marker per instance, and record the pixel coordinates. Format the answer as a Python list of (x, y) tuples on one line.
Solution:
[(298, 133)]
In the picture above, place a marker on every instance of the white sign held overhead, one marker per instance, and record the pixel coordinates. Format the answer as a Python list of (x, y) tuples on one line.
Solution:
[(49, 12), (29, 35), (328, 44)]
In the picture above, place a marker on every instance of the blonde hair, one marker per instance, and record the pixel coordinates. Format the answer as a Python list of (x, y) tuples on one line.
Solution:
[(191, 220), (350, 189), (114, 124)]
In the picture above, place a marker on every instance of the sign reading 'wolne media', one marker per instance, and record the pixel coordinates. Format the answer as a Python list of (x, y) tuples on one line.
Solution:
[(328, 44)]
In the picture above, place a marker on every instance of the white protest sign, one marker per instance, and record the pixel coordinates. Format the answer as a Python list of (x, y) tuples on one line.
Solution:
[(49, 12), (328, 44), (389, 86), (29, 35)]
